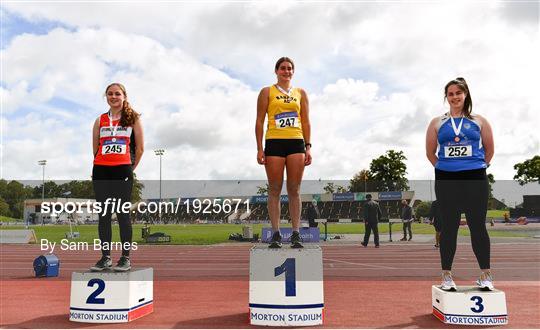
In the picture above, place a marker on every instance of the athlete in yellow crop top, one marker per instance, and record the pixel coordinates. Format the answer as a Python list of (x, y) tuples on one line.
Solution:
[(284, 115), (287, 145)]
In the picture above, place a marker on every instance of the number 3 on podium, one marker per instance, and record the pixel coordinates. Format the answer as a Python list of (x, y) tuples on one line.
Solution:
[(289, 268), (479, 307)]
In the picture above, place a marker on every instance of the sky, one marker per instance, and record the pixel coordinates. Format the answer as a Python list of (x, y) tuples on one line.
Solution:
[(374, 73)]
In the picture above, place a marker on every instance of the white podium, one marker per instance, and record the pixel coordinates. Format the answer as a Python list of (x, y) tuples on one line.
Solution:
[(111, 297), (469, 306), (286, 286)]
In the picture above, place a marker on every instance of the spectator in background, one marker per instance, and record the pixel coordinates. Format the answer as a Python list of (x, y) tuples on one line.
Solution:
[(312, 214), (372, 215), (506, 217), (435, 220), (407, 217)]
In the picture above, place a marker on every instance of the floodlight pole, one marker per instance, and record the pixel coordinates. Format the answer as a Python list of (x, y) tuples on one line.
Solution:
[(159, 152), (42, 163)]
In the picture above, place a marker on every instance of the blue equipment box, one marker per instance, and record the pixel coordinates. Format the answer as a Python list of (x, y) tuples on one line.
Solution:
[(46, 266)]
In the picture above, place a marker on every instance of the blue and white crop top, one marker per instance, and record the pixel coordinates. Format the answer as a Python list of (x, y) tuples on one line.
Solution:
[(460, 144)]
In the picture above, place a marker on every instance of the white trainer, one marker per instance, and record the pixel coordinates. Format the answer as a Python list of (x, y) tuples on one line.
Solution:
[(447, 282), (485, 281)]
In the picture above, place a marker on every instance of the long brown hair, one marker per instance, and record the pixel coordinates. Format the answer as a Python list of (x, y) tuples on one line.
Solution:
[(128, 116), (461, 84)]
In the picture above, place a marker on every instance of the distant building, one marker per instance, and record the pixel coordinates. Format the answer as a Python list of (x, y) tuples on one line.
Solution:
[(495, 204), (335, 207), (33, 215), (530, 207)]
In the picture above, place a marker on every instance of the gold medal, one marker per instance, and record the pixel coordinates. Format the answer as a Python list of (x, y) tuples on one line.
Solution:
[(456, 139)]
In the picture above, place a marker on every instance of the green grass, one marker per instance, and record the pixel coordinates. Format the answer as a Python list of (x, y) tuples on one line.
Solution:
[(358, 228), (3, 218), (213, 234), (417, 228), (496, 213), (189, 234), (501, 233)]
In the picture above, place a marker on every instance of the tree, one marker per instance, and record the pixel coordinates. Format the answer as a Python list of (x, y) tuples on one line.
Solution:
[(4, 208), (332, 188), (3, 188), (262, 190), (77, 189), (15, 196), (388, 171), (136, 192), (491, 181), (329, 188), (362, 181), (422, 209), (528, 171), (52, 190)]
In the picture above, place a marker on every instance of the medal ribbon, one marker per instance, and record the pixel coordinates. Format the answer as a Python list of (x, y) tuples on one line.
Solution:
[(115, 127), (457, 130), (288, 93)]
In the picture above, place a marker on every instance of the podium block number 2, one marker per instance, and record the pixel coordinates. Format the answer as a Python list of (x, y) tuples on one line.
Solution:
[(479, 307), (289, 268), (93, 297)]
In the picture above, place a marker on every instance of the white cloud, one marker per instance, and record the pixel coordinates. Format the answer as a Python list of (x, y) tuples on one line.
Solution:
[(374, 73), (185, 104)]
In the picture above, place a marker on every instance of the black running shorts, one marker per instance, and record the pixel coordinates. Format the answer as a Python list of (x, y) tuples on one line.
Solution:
[(284, 147)]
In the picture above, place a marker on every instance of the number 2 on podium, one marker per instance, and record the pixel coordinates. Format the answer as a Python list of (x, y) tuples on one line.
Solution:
[(289, 268), (92, 298)]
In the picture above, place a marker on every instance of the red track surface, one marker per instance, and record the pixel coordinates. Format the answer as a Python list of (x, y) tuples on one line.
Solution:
[(207, 287)]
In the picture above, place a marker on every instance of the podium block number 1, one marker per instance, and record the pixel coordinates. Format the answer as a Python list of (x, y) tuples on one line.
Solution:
[(92, 298), (289, 268)]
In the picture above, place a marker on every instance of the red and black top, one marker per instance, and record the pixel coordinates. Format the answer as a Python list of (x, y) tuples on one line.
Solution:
[(114, 142)]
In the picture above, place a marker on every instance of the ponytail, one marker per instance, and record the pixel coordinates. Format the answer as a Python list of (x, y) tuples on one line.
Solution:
[(129, 116)]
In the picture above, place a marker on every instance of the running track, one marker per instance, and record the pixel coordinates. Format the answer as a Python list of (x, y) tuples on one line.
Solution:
[(207, 286)]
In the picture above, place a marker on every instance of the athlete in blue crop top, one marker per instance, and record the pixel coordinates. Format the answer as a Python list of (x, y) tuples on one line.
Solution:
[(463, 150), (460, 147)]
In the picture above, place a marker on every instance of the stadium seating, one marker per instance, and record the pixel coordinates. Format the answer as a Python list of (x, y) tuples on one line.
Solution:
[(331, 210)]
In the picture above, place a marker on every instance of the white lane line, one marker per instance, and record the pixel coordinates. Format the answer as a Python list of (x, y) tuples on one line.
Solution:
[(359, 264)]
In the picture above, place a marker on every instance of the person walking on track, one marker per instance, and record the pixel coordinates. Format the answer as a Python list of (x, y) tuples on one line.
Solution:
[(407, 218), (372, 216)]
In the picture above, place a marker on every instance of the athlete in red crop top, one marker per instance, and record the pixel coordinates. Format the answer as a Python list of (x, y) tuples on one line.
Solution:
[(118, 145)]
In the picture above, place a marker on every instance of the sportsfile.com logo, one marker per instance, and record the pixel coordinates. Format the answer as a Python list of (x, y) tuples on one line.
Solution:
[(113, 205)]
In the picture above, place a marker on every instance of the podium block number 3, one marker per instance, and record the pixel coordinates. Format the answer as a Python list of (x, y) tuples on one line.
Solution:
[(93, 297), (289, 268), (479, 307)]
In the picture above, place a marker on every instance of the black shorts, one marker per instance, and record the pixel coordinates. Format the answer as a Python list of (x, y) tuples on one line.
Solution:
[(284, 147)]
